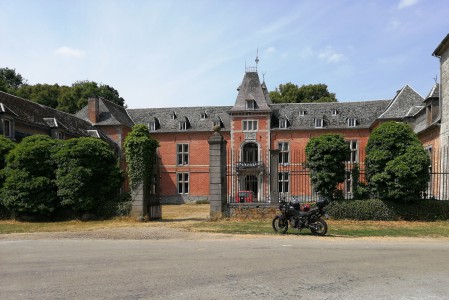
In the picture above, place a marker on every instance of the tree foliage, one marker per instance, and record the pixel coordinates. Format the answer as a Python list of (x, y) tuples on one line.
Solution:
[(10, 81), (87, 174), (29, 186), (397, 166), (65, 98), (6, 145), (291, 93), (326, 155)]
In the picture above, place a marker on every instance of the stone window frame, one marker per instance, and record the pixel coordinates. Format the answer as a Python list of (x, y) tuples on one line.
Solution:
[(183, 182), (354, 151), (152, 126), (182, 125), (250, 125), (284, 153), (182, 154)]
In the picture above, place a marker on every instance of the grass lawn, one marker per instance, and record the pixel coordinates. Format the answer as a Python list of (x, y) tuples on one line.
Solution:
[(194, 218)]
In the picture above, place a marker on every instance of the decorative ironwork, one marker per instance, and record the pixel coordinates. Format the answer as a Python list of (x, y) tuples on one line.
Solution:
[(243, 165)]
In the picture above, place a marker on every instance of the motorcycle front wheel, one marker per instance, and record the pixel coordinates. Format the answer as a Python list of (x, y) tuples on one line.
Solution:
[(319, 227), (280, 224)]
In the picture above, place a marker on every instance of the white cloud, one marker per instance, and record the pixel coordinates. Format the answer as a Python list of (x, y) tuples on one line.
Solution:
[(330, 55), (70, 52), (270, 50), (406, 3)]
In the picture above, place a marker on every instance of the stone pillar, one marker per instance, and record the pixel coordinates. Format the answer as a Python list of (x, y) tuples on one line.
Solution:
[(274, 163), (217, 175), (137, 202)]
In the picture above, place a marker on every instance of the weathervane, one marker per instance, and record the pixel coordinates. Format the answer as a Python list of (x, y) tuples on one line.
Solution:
[(257, 58)]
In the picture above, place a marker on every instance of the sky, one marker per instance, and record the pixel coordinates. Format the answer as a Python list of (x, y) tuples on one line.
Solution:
[(176, 53)]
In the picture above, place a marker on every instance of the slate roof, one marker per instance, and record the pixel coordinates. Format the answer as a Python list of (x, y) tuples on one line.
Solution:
[(434, 92), (401, 104), (251, 89), (44, 116), (110, 114), (441, 47), (365, 113), (193, 115)]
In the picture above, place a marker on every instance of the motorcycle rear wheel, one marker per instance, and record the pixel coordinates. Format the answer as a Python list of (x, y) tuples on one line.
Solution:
[(280, 224), (320, 227)]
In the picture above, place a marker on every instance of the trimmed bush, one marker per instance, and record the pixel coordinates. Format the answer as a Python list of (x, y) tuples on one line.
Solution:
[(29, 187), (362, 210), (421, 210)]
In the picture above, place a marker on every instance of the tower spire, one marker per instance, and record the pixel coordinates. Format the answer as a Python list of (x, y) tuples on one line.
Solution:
[(257, 58)]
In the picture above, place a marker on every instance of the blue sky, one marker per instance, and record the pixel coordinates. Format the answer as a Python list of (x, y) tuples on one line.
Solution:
[(193, 53)]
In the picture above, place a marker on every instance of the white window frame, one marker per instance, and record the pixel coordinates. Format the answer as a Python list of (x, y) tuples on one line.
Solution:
[(172, 115), (284, 153), (283, 182), (302, 113), (335, 112), (250, 125), (203, 116), (283, 123), (183, 182), (319, 122), (352, 122), (152, 126), (182, 125), (250, 104), (354, 151), (182, 154)]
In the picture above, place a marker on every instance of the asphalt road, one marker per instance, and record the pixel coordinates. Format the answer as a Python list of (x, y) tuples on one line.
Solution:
[(225, 268)]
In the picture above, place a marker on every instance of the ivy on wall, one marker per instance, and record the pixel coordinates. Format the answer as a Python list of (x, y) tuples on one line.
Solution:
[(141, 158)]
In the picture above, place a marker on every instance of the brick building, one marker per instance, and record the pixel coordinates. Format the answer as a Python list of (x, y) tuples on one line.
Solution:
[(260, 135)]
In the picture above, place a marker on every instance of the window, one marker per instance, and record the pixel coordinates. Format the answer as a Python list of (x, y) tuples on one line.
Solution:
[(172, 115), (250, 104), (354, 153), (183, 183), (203, 116), (284, 152), (217, 123), (182, 125), (352, 122), (334, 112), (152, 126), (7, 128), (319, 123), (283, 182), (182, 154), (283, 123), (60, 135), (302, 113), (249, 125)]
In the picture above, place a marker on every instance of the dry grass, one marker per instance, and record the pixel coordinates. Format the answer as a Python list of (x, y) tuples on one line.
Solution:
[(195, 218)]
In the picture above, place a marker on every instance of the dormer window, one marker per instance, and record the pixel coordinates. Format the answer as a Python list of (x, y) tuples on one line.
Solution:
[(172, 115), (7, 128), (283, 123), (152, 126), (302, 113), (319, 123), (250, 104), (334, 112), (352, 122), (60, 135), (182, 125), (203, 116)]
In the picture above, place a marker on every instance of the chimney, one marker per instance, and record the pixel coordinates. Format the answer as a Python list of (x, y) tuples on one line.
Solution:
[(93, 109)]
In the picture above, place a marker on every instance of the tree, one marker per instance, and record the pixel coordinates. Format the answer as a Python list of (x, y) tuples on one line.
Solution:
[(6, 145), (29, 186), (291, 93), (10, 81), (326, 156), (397, 166), (141, 158), (44, 94), (87, 176)]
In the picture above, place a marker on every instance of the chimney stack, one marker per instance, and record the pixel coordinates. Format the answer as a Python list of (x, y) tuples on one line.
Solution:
[(93, 109)]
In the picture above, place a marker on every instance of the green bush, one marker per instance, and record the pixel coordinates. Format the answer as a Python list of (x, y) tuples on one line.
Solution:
[(326, 155), (87, 176), (397, 166), (29, 177), (420, 210), (362, 210)]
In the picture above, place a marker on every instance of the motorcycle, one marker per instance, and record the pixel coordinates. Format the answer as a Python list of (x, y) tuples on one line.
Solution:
[(311, 218)]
